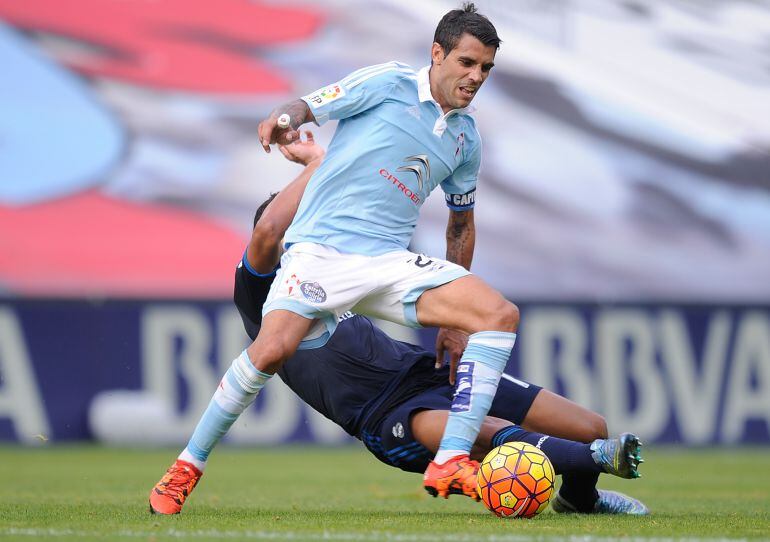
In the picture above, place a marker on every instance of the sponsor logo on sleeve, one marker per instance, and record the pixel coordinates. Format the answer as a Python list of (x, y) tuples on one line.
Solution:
[(461, 402), (313, 292), (325, 95), (462, 201)]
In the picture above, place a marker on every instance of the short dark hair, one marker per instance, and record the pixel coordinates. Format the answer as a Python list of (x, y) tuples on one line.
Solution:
[(457, 22), (261, 208)]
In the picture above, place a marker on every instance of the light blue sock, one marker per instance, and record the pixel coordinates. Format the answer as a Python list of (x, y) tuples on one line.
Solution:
[(236, 391), (478, 375)]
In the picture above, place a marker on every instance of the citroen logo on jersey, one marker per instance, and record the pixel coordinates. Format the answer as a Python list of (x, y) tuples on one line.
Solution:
[(421, 169)]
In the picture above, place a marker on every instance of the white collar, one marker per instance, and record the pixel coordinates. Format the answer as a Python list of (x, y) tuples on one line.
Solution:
[(423, 92)]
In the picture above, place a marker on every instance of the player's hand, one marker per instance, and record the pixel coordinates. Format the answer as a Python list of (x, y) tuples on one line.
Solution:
[(269, 133), (303, 152), (452, 342)]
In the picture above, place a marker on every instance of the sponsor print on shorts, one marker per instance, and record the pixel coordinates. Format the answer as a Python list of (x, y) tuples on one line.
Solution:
[(422, 261), (291, 282), (346, 315), (461, 402), (313, 292)]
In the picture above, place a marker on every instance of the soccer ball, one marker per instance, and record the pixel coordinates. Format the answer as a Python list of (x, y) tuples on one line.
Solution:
[(515, 480)]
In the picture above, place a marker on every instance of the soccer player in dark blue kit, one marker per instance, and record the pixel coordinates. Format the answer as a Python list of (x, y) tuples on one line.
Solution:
[(395, 397)]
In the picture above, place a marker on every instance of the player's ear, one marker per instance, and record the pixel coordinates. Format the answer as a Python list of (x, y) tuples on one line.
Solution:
[(436, 53)]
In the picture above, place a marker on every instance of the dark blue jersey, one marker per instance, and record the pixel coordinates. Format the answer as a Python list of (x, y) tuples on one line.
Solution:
[(352, 378)]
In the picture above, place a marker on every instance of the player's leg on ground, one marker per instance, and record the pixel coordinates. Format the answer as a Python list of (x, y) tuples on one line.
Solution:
[(470, 305), (278, 338), (577, 462), (557, 416), (572, 460), (567, 456)]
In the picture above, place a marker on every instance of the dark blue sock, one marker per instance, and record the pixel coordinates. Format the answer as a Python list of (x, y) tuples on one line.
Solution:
[(567, 456), (580, 490)]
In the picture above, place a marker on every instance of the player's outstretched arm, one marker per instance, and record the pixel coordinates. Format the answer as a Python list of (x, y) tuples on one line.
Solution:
[(460, 243), (270, 132), (264, 250)]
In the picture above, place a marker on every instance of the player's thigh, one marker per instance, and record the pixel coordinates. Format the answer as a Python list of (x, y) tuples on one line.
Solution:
[(402, 277), (468, 304), (317, 283), (557, 416), (428, 427), (393, 441), (279, 336)]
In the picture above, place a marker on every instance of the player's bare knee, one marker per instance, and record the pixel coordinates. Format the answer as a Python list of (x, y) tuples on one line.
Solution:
[(503, 316), (268, 358), (599, 427), (593, 427)]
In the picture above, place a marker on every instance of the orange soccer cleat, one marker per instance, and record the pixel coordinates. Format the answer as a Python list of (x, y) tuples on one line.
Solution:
[(455, 477), (168, 495)]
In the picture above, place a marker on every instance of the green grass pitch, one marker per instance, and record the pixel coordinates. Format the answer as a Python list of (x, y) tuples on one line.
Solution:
[(295, 493)]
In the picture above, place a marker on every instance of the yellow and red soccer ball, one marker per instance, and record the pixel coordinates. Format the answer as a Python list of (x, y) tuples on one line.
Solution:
[(516, 480)]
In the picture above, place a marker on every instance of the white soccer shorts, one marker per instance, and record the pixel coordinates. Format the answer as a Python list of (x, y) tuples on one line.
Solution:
[(319, 282)]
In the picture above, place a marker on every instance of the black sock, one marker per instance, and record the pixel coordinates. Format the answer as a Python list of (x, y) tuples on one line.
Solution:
[(580, 491)]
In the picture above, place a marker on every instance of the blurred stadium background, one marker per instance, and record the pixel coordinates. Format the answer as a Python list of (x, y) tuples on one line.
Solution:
[(624, 203)]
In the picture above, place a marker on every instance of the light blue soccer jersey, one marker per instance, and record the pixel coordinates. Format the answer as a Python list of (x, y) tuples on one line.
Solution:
[(392, 147)]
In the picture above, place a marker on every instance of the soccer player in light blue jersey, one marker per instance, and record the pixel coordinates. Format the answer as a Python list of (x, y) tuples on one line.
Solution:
[(401, 133)]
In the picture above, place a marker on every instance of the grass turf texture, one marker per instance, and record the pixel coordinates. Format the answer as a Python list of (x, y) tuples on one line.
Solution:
[(90, 493)]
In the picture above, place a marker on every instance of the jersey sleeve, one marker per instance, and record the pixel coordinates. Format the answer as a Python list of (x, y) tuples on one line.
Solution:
[(359, 91), (460, 187)]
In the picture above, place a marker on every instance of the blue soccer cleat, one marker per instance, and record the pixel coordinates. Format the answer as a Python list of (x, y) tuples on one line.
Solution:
[(614, 502), (609, 502), (619, 456)]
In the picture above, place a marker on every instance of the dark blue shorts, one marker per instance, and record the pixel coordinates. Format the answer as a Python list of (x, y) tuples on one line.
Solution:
[(393, 443)]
